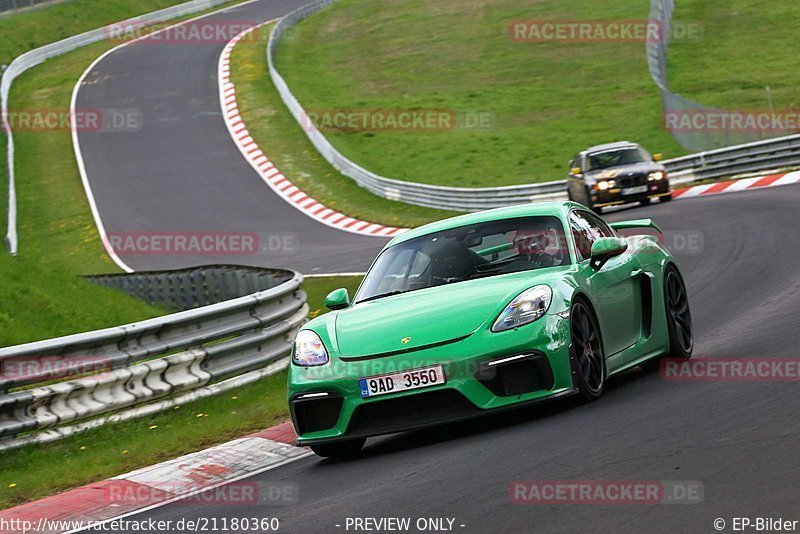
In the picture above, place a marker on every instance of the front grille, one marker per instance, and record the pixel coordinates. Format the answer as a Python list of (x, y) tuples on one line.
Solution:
[(314, 414), (624, 180), (394, 415)]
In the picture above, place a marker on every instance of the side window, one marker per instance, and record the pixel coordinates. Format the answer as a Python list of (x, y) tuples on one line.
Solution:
[(586, 229), (599, 224)]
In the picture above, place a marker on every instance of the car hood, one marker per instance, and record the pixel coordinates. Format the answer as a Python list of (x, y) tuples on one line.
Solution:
[(429, 316), (635, 168)]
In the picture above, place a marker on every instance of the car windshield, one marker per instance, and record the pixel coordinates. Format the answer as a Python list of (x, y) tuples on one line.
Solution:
[(466, 253), (615, 158)]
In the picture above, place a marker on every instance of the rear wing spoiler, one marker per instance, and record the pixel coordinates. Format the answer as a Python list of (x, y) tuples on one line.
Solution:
[(638, 223)]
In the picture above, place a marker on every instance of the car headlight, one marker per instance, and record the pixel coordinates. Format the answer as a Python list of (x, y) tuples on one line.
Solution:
[(526, 308), (658, 175), (309, 350)]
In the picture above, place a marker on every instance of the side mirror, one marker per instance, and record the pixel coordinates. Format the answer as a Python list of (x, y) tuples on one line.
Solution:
[(338, 299), (575, 170), (658, 157), (606, 248)]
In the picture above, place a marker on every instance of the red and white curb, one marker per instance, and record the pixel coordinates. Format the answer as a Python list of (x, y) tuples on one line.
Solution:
[(267, 170), (744, 184), (161, 484)]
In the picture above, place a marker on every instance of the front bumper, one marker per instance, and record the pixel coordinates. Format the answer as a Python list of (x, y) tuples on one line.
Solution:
[(614, 197), (534, 365)]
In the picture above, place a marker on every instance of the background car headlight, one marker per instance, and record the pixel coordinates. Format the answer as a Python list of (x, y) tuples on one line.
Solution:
[(309, 350), (529, 306), (605, 184), (658, 175)]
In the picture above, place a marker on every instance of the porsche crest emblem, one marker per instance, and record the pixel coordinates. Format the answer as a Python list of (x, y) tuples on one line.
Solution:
[(405, 340)]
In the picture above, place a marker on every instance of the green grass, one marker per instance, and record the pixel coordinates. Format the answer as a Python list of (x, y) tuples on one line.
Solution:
[(41, 470), (40, 302), (285, 143), (746, 46), (550, 99)]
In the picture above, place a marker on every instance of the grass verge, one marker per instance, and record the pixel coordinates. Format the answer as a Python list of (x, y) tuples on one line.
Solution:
[(282, 139), (549, 100), (39, 302), (745, 46), (37, 471)]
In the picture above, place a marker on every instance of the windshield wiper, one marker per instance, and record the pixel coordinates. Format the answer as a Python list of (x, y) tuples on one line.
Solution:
[(381, 295)]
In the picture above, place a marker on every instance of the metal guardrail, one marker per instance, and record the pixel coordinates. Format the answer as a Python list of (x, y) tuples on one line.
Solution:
[(770, 154), (185, 289), (35, 57), (760, 155), (60, 381)]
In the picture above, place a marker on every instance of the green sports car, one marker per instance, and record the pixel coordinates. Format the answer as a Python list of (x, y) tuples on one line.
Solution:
[(483, 312)]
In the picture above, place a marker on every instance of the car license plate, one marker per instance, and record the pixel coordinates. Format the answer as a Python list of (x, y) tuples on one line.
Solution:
[(634, 190), (373, 386)]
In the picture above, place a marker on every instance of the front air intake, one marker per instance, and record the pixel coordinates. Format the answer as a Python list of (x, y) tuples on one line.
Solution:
[(516, 375)]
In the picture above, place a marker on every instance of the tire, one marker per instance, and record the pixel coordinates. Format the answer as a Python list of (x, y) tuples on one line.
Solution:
[(586, 350), (679, 315), (340, 449), (666, 198), (679, 319), (645, 202)]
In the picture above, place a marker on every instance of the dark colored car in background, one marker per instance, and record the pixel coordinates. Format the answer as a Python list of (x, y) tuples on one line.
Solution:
[(616, 173)]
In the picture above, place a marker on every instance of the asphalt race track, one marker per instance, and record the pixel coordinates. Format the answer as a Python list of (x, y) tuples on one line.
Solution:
[(740, 440), (182, 172)]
